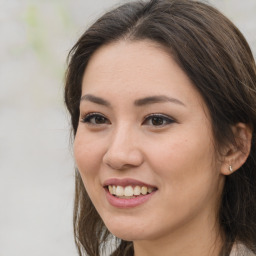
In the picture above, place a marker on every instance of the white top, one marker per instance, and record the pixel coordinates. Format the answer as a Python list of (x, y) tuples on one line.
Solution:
[(241, 250)]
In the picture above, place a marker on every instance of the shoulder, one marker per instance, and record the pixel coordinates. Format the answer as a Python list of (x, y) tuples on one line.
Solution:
[(241, 250)]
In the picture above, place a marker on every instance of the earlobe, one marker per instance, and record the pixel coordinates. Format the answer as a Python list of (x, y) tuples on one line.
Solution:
[(237, 153)]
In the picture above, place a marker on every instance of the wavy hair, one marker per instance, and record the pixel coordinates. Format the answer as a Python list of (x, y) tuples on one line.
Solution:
[(216, 57)]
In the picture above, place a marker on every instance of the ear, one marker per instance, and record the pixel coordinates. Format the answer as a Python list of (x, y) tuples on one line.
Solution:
[(236, 154)]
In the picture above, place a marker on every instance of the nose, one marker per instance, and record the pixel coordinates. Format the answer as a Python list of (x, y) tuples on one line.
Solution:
[(123, 151)]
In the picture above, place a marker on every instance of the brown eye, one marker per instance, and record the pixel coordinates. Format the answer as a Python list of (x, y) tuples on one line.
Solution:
[(99, 119), (158, 120), (95, 119)]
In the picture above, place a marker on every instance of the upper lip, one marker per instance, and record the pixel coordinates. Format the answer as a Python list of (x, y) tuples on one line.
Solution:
[(126, 182)]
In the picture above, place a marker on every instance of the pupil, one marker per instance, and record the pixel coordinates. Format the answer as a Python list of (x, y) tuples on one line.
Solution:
[(99, 120), (157, 121)]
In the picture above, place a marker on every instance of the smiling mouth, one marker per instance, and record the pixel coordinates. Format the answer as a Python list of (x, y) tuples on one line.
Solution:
[(129, 192)]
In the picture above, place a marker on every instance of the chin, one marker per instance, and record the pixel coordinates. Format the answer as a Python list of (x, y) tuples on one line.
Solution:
[(127, 232), (131, 232), (127, 236)]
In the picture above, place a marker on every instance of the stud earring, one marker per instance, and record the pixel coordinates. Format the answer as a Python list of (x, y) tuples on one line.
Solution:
[(230, 168)]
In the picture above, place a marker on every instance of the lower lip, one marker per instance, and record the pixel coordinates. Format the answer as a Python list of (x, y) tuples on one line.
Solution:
[(128, 203)]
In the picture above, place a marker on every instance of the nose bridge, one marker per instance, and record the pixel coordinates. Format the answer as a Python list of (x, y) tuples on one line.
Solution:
[(123, 149)]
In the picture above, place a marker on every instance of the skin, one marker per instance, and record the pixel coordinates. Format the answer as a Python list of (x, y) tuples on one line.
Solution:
[(178, 157)]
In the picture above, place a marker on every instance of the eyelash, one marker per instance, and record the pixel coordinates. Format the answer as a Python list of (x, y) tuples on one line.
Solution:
[(88, 118), (152, 117), (166, 119)]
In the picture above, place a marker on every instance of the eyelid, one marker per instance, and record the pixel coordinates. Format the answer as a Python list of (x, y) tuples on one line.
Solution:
[(167, 118), (85, 118)]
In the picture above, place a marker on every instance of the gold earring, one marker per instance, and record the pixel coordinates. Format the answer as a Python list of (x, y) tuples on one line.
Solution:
[(230, 168)]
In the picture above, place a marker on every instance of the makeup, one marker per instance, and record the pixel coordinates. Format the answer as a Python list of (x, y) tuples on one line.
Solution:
[(127, 193)]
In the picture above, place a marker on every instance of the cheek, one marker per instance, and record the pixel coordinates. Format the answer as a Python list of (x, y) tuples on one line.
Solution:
[(87, 154), (181, 152), (187, 177), (87, 150), (184, 163)]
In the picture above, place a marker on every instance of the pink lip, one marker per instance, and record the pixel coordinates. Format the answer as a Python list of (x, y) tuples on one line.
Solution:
[(123, 202), (126, 182), (127, 203)]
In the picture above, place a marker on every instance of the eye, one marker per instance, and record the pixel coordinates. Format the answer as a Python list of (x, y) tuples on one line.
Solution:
[(157, 120), (95, 119)]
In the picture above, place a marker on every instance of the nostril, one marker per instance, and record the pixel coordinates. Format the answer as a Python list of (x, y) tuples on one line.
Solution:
[(121, 160)]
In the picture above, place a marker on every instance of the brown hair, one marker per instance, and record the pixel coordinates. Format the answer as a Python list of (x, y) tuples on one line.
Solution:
[(217, 59)]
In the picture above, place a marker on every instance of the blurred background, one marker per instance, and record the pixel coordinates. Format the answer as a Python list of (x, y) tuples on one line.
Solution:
[(36, 165)]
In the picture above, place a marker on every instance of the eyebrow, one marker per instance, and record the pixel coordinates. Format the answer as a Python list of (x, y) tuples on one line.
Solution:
[(157, 99), (140, 102), (94, 99)]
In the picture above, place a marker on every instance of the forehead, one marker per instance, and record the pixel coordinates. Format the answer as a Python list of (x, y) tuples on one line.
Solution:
[(137, 68)]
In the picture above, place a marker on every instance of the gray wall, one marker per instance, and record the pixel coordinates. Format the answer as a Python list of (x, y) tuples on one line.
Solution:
[(36, 184)]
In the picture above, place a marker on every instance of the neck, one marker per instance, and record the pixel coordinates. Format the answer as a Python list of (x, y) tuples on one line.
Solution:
[(204, 241)]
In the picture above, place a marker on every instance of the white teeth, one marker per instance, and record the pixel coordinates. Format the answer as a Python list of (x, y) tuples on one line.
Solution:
[(144, 190), (136, 191), (150, 190), (110, 188), (129, 191), (114, 190), (119, 191)]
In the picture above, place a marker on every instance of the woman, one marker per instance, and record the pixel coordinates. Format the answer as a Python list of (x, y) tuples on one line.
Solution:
[(162, 97)]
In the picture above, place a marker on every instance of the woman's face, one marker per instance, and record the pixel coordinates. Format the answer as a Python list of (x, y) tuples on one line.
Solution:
[(144, 144)]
